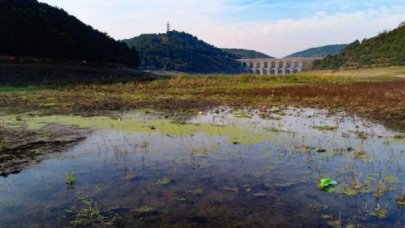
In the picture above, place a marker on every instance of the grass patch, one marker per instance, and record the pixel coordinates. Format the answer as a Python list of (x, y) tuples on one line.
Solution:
[(164, 181), (70, 178), (274, 130), (376, 94), (325, 128)]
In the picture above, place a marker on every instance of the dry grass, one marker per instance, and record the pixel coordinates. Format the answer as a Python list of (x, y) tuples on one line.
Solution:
[(378, 97)]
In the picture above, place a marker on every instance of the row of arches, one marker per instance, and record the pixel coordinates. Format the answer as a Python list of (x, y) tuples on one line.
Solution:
[(273, 64), (275, 71)]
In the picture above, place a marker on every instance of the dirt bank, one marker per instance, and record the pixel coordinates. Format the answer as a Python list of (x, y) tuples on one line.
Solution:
[(20, 147)]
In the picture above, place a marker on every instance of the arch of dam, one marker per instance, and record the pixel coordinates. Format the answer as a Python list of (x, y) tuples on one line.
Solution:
[(272, 66)]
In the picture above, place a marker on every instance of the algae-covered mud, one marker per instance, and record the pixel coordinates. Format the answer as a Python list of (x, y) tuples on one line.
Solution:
[(220, 168)]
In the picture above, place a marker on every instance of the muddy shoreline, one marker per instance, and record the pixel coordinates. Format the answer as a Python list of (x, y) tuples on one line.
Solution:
[(21, 147), (380, 101)]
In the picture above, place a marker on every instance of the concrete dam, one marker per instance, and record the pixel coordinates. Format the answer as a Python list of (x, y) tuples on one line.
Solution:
[(272, 66)]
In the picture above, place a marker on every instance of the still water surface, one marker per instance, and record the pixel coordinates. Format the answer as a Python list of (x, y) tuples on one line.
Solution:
[(220, 168)]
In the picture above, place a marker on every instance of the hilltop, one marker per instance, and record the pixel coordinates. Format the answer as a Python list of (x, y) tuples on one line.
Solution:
[(179, 51), (319, 51), (245, 54), (36, 30), (386, 49)]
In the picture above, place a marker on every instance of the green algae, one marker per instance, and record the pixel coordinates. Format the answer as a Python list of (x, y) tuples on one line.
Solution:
[(134, 122)]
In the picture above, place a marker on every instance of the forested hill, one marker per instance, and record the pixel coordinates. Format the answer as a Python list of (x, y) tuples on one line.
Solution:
[(320, 51), (386, 49), (179, 51), (30, 28), (245, 54)]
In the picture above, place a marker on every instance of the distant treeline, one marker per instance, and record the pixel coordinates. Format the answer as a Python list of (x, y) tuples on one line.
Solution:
[(320, 51), (30, 28), (386, 49), (179, 51), (245, 54)]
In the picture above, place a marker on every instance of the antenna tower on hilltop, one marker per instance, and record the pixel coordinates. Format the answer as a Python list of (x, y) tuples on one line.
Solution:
[(168, 26)]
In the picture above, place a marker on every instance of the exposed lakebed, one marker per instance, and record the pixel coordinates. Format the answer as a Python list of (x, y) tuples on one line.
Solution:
[(220, 168)]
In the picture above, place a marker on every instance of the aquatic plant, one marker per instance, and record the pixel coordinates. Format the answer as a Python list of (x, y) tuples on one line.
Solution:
[(267, 116), (379, 190), (325, 127), (145, 144), (359, 154), (274, 130), (70, 178), (360, 134), (144, 209), (335, 223), (241, 114), (379, 212), (304, 148), (399, 137), (390, 179), (400, 199), (92, 214), (355, 187), (164, 181), (201, 151)]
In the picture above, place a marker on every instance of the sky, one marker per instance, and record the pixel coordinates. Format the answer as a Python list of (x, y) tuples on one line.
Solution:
[(275, 27)]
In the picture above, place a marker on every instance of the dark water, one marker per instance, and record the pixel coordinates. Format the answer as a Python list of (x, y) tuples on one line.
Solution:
[(217, 181)]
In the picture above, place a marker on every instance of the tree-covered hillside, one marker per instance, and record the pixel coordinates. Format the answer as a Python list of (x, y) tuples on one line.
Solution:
[(245, 54), (320, 51), (30, 28), (386, 49), (179, 51)]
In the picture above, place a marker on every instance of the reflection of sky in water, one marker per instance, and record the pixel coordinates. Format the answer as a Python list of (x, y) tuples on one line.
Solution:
[(216, 182)]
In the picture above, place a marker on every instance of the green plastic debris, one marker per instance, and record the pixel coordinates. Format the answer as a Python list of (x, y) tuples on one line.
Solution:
[(327, 184)]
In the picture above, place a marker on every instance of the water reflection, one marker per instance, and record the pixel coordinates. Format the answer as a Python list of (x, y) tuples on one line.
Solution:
[(203, 178)]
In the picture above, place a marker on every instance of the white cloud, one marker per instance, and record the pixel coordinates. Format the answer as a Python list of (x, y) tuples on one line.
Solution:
[(282, 37), (223, 23)]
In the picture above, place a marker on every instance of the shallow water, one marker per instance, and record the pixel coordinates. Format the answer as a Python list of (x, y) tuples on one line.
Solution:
[(222, 168)]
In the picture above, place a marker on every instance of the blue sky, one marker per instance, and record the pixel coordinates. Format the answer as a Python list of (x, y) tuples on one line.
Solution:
[(276, 27)]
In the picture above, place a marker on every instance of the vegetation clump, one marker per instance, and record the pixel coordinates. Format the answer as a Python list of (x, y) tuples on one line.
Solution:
[(379, 212), (274, 130), (400, 199), (70, 178), (360, 154), (325, 127), (91, 214), (242, 114), (164, 181)]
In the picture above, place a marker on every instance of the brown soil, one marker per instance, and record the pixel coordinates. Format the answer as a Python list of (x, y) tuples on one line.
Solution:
[(20, 147)]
